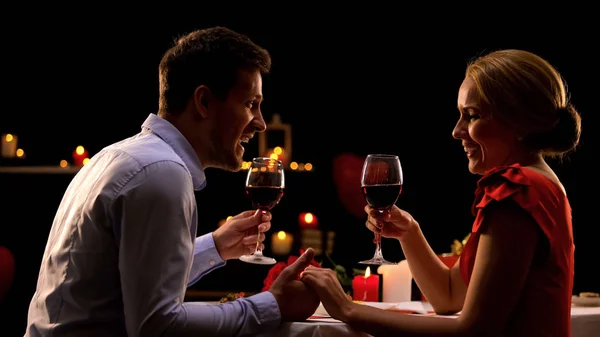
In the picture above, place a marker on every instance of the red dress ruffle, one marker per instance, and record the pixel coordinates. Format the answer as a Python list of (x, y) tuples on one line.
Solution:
[(545, 304)]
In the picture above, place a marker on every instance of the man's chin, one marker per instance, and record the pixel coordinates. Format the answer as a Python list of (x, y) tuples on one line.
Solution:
[(234, 164)]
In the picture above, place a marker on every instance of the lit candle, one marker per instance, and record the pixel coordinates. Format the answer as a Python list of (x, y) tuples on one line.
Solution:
[(366, 288), (397, 282), (281, 243), (9, 145), (308, 220), (79, 156)]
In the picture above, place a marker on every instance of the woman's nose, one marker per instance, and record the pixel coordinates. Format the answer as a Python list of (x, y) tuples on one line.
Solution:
[(459, 131)]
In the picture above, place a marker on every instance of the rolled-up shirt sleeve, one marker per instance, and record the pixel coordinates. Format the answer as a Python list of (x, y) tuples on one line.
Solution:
[(154, 212)]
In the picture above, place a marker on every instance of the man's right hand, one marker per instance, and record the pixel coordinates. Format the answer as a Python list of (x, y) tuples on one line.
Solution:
[(233, 239), (296, 301)]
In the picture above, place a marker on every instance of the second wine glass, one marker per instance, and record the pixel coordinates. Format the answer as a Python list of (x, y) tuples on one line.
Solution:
[(265, 184), (381, 184)]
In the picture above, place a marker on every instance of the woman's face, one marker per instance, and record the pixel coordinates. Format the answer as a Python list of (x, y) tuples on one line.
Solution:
[(487, 142)]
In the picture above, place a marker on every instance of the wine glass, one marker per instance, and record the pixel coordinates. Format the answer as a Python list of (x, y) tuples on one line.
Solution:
[(265, 183), (381, 185)]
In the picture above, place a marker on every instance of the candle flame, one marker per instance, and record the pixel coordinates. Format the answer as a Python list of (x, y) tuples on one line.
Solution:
[(79, 150), (308, 218), (281, 235), (368, 272)]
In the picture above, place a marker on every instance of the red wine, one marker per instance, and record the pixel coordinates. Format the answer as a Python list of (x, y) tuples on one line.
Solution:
[(381, 196), (264, 197)]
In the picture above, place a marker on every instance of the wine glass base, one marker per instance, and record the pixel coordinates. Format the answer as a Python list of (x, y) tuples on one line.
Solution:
[(258, 259), (377, 261)]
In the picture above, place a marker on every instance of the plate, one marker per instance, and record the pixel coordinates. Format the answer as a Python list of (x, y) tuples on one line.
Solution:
[(585, 301)]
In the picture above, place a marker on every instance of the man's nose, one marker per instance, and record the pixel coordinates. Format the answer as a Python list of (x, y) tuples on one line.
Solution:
[(259, 123)]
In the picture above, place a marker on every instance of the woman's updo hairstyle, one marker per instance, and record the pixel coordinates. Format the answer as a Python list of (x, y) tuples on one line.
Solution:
[(529, 95)]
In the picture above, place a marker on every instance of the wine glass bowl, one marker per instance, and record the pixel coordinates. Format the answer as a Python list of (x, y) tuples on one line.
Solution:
[(265, 184), (381, 185)]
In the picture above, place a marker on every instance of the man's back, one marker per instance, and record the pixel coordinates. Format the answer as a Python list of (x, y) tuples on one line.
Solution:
[(79, 286)]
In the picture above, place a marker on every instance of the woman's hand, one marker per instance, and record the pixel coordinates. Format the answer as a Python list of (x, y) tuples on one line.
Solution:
[(325, 283), (394, 223)]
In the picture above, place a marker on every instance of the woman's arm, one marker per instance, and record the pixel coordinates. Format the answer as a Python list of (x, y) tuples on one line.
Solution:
[(443, 286), (504, 255)]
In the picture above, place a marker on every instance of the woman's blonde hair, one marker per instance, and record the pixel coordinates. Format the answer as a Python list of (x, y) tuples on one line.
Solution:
[(528, 94)]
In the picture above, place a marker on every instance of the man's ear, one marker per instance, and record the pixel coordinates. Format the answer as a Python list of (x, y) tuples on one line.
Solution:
[(201, 98)]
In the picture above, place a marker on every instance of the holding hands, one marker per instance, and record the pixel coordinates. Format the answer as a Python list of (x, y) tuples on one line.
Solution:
[(233, 240), (296, 301), (325, 283)]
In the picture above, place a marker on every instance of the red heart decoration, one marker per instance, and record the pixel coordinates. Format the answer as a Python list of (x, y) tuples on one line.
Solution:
[(347, 170)]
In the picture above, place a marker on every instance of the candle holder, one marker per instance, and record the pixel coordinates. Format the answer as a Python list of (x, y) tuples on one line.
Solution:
[(281, 243), (9, 145), (80, 155), (313, 238)]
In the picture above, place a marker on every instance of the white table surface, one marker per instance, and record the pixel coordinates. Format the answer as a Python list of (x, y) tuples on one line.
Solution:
[(585, 322)]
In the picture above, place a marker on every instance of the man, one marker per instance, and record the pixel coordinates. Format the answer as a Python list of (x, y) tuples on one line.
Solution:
[(123, 246)]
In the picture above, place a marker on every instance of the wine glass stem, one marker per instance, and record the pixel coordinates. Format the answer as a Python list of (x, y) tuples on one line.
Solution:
[(378, 240), (378, 245), (257, 250)]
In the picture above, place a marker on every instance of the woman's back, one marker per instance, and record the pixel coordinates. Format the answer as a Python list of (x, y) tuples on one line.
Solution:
[(544, 306)]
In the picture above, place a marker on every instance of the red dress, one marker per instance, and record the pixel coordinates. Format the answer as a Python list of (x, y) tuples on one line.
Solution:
[(544, 308)]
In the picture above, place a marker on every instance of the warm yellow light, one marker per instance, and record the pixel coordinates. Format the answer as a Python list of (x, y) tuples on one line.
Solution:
[(308, 166), (281, 235), (308, 218), (229, 217), (367, 272), (294, 165), (277, 150), (79, 150), (274, 156), (9, 138), (20, 153), (85, 161), (64, 163)]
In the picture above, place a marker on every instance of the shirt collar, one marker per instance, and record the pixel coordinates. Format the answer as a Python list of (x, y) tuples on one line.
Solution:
[(172, 136)]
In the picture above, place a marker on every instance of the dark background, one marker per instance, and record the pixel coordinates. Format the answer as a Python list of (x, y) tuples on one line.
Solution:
[(362, 83)]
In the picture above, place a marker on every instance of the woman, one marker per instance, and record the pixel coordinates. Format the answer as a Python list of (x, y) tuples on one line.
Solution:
[(515, 275)]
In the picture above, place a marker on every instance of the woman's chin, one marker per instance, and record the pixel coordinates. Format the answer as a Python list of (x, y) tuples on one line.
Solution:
[(475, 168)]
